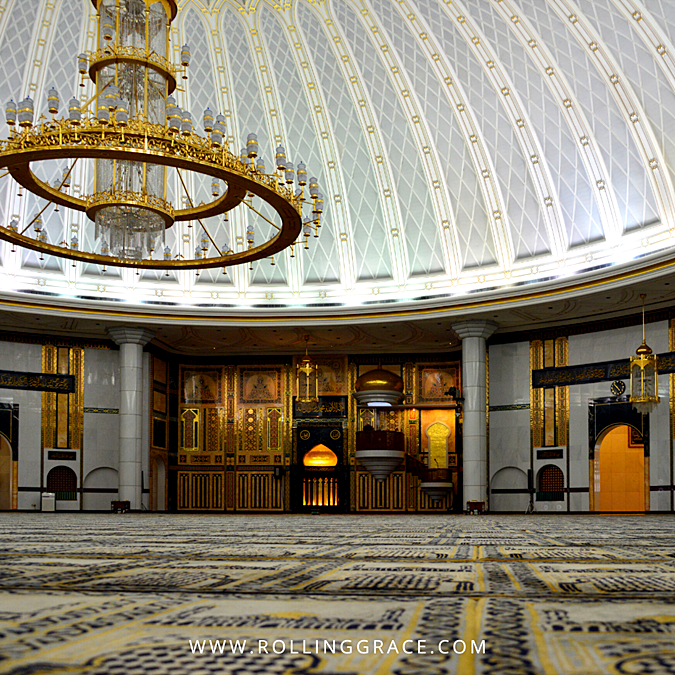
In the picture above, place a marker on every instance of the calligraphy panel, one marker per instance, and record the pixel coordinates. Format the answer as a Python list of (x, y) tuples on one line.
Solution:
[(260, 385), (202, 385), (434, 380)]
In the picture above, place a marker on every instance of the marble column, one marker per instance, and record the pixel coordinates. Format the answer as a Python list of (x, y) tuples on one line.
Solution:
[(474, 389), (131, 342)]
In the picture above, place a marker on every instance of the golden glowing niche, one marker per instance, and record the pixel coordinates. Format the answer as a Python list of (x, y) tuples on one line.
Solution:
[(320, 455), (438, 445)]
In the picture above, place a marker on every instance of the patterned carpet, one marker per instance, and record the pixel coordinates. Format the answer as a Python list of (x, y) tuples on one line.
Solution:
[(99, 594)]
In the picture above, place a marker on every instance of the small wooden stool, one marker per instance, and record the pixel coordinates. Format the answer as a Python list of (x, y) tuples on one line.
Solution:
[(120, 506)]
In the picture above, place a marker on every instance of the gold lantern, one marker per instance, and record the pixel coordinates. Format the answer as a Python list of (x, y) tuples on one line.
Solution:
[(307, 378), (644, 378)]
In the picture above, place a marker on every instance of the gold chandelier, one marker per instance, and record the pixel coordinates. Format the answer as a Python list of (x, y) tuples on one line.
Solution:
[(135, 133), (644, 376)]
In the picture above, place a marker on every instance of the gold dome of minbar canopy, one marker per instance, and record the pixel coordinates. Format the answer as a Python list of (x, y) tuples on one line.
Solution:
[(379, 380), (320, 455)]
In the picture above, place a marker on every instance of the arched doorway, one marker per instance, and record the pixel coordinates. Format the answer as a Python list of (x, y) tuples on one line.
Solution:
[(625, 456), (5, 474), (619, 476)]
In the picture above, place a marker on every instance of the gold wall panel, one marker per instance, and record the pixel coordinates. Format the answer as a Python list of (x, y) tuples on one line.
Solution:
[(200, 491), (212, 425), (562, 394), (190, 430), (438, 435), (48, 400), (259, 491), (332, 375), (63, 414), (536, 396), (62, 419), (549, 408), (274, 426)]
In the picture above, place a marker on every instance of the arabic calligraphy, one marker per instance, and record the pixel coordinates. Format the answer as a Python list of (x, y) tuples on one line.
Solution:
[(593, 372), (326, 406), (63, 384)]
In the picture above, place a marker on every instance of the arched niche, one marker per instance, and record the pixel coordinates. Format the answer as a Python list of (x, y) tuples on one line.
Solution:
[(509, 490), (101, 478)]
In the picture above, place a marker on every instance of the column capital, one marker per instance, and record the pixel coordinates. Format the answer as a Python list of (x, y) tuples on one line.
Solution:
[(475, 328), (122, 335)]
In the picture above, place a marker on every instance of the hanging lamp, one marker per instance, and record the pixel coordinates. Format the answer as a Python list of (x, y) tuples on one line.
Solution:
[(644, 378)]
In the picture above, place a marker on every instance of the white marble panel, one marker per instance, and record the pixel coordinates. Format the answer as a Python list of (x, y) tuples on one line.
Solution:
[(619, 343), (29, 501), (579, 501), (101, 441), (660, 501), (101, 378), (510, 374), (21, 357), (105, 479), (509, 440), (659, 448), (578, 432)]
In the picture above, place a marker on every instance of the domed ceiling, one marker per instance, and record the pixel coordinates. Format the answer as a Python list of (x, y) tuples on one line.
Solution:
[(463, 148)]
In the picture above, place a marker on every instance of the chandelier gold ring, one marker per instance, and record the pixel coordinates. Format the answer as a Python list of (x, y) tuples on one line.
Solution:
[(152, 144)]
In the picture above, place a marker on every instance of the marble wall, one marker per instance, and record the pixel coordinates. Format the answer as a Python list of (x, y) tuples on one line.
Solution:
[(25, 358), (509, 406), (605, 346), (509, 398), (101, 428), (100, 451)]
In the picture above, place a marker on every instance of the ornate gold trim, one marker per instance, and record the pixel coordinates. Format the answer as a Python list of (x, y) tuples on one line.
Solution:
[(160, 206), (536, 397), (562, 394), (170, 5), (128, 54), (152, 144)]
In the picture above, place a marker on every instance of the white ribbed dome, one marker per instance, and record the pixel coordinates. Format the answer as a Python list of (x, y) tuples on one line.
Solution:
[(462, 147)]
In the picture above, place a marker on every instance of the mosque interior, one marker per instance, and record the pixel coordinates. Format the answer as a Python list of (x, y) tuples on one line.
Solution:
[(337, 320)]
